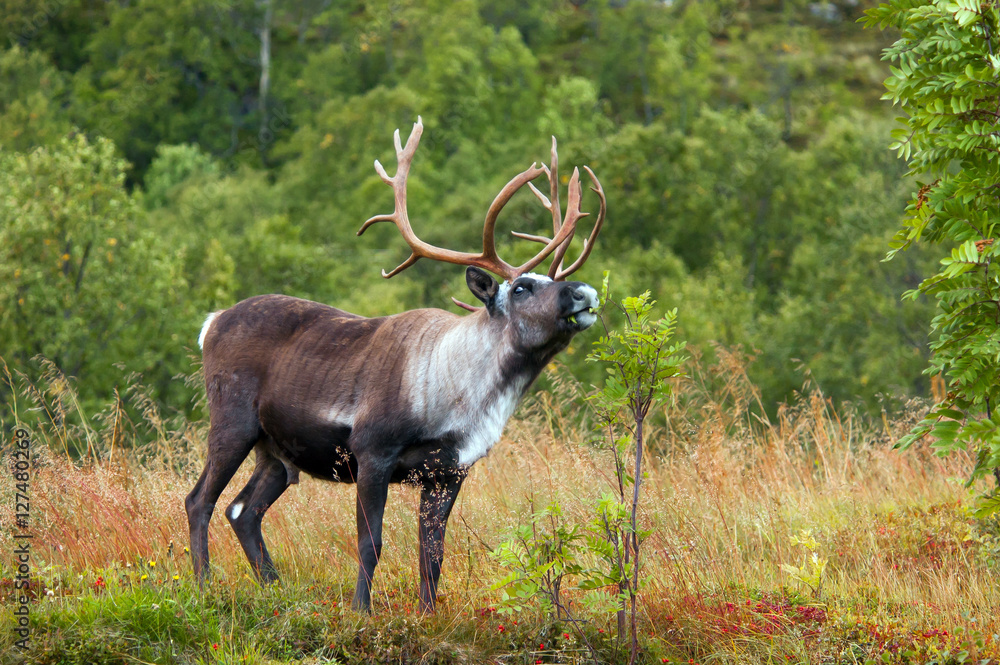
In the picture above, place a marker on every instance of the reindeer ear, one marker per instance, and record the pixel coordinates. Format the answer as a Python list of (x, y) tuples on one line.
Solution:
[(482, 285)]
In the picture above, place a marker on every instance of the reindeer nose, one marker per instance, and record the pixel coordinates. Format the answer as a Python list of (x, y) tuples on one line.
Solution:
[(578, 296)]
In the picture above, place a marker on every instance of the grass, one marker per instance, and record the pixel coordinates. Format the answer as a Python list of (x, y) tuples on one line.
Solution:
[(911, 574)]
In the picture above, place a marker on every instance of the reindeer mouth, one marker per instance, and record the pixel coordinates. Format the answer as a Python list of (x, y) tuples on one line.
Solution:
[(582, 318)]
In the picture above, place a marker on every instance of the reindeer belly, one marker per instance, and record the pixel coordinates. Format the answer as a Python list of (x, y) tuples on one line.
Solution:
[(319, 448), (328, 458)]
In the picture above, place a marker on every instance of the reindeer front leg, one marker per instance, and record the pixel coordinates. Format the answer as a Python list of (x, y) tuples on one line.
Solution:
[(373, 488), (437, 497)]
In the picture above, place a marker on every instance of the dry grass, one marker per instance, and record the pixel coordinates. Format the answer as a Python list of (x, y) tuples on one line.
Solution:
[(911, 574)]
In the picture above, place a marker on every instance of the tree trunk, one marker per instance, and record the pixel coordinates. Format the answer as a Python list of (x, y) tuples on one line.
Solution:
[(635, 543), (265, 78)]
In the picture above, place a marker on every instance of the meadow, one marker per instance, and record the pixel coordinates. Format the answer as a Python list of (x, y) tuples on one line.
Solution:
[(802, 538)]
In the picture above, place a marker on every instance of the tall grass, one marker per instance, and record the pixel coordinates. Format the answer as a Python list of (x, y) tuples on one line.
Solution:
[(911, 576)]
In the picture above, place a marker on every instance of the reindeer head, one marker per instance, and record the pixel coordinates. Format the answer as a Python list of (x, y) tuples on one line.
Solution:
[(538, 312)]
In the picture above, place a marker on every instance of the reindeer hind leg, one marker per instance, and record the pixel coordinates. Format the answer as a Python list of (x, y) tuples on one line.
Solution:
[(231, 437), (269, 480)]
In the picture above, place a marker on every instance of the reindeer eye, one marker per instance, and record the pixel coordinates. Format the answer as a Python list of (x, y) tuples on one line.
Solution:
[(518, 290)]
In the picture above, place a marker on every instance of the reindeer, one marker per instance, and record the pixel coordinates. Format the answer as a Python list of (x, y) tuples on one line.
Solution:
[(418, 396)]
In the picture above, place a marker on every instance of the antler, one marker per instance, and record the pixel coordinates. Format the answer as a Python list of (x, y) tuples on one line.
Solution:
[(488, 259), (573, 215)]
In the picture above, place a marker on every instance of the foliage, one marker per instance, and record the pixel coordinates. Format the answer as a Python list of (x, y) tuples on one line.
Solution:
[(544, 554), (32, 93), (72, 251), (738, 143), (945, 78), (171, 73), (640, 361), (173, 165), (539, 563), (813, 565)]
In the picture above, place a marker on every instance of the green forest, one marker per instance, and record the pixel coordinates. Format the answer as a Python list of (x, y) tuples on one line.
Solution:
[(159, 161)]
